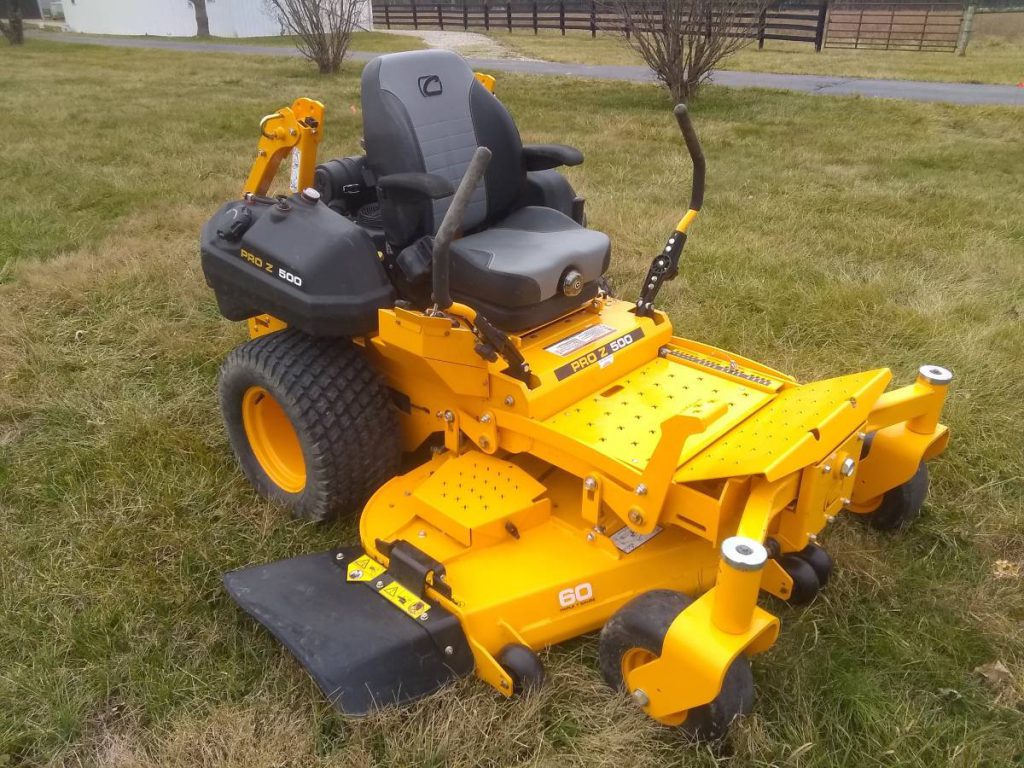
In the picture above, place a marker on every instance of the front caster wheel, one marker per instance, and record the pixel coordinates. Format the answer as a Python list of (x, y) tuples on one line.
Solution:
[(523, 666), (634, 636), (819, 560), (806, 583), (901, 505)]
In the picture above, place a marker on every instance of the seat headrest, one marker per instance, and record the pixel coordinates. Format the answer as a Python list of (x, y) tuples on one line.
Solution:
[(425, 111)]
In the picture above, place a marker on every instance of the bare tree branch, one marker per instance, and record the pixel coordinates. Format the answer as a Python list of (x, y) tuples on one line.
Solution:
[(322, 28), (683, 40)]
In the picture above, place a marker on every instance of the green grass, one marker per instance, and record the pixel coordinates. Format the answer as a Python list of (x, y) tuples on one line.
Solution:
[(838, 234), (988, 60)]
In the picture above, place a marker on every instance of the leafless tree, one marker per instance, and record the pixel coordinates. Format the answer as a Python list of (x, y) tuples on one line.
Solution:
[(683, 40), (11, 25), (322, 28), (202, 18)]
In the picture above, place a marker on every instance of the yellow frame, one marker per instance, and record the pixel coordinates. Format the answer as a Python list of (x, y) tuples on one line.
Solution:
[(297, 128)]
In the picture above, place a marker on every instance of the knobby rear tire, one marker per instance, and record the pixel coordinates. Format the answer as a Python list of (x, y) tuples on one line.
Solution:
[(340, 411)]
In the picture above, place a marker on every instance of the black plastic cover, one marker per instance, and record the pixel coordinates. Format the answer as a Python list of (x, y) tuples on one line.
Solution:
[(544, 157), (416, 260), (552, 190), (298, 261), (362, 651)]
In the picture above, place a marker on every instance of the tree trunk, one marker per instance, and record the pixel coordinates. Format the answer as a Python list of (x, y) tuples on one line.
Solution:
[(13, 28), (17, 27), (681, 92), (676, 79), (202, 19)]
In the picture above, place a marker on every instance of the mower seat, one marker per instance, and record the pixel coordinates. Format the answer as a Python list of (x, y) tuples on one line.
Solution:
[(425, 113)]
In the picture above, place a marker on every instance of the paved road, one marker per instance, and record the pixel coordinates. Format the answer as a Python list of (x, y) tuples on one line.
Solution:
[(913, 90)]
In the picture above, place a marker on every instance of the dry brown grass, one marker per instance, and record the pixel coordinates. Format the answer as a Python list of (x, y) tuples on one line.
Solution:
[(1009, 26)]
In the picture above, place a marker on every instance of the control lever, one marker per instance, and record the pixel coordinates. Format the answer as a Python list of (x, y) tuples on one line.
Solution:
[(493, 340), (665, 266), (442, 257)]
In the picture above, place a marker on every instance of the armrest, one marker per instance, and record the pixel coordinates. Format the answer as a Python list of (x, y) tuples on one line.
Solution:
[(414, 187), (544, 157)]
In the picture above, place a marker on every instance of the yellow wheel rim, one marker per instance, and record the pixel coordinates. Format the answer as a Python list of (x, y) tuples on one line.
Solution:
[(637, 657), (273, 440)]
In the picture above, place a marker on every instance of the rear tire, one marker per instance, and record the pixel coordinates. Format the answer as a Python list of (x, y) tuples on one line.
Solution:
[(309, 421), (638, 629), (901, 505)]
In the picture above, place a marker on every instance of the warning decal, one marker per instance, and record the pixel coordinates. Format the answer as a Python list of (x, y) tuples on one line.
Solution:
[(626, 540), (363, 569), (408, 601), (570, 344), (366, 569)]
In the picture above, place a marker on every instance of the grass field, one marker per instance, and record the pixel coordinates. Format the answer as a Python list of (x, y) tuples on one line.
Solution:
[(989, 59), (838, 234)]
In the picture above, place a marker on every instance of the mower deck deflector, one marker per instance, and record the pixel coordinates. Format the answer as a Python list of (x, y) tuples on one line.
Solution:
[(363, 651)]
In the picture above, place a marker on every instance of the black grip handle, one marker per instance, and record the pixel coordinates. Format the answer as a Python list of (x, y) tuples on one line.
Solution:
[(451, 223), (696, 155)]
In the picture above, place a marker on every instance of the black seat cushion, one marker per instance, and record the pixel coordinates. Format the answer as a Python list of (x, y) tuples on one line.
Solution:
[(521, 259)]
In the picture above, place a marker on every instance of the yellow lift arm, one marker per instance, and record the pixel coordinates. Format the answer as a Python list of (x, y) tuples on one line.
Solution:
[(296, 128)]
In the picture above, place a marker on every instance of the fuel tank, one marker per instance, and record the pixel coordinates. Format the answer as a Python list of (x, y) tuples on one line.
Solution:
[(296, 259)]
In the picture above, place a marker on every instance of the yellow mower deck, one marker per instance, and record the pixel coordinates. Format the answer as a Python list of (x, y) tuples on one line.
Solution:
[(548, 516), (525, 587)]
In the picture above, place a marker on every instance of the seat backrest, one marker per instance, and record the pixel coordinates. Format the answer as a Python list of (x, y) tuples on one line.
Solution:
[(425, 111)]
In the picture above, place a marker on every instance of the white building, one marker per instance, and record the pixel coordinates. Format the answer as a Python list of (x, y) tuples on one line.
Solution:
[(228, 18)]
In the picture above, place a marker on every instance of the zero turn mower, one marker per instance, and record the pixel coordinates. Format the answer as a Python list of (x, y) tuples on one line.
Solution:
[(574, 465)]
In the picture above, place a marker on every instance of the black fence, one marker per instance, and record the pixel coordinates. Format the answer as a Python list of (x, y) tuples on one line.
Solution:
[(793, 22)]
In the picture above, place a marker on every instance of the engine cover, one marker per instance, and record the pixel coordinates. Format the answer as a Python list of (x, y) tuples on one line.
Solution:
[(297, 260)]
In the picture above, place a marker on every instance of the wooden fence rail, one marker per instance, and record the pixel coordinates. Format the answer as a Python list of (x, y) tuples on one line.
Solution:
[(796, 23), (907, 25)]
